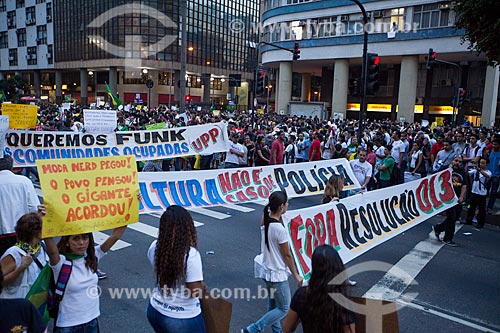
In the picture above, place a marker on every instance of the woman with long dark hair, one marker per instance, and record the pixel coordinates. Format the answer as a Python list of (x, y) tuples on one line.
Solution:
[(174, 306), (313, 305), (274, 265), (23, 262), (78, 309)]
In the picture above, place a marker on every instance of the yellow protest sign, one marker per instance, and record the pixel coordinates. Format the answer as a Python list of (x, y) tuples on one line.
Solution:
[(20, 115), (88, 194), (440, 121)]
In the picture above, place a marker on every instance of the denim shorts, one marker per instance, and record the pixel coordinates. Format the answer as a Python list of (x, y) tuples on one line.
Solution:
[(165, 324)]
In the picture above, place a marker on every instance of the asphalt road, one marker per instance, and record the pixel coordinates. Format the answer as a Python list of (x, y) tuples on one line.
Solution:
[(457, 289)]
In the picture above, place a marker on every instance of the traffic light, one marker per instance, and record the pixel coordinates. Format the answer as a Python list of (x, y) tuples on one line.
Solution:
[(431, 59), (461, 96), (188, 98), (372, 84), (296, 51), (261, 82)]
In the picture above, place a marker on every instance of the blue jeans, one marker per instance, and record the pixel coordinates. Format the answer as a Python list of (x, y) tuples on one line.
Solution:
[(494, 182), (164, 324), (90, 327), (278, 303)]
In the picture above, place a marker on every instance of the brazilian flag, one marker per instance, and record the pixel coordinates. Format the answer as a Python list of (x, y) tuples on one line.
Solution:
[(39, 292), (112, 96), (2, 96)]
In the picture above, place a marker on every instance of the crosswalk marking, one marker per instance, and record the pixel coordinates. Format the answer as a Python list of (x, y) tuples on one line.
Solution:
[(210, 213), (100, 237), (196, 224), (144, 228), (242, 209)]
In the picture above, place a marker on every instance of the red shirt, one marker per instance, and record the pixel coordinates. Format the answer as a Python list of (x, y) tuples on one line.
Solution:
[(315, 146), (279, 148), (436, 148)]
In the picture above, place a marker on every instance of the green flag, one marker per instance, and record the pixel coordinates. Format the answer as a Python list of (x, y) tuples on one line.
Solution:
[(114, 99), (2, 96)]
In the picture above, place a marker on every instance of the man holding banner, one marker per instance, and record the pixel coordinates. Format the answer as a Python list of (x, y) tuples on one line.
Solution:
[(460, 183)]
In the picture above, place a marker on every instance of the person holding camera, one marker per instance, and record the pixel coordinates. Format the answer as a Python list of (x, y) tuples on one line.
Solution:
[(444, 157), (479, 191)]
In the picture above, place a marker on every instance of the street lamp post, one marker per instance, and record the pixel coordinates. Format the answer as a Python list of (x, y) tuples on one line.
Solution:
[(268, 87), (182, 79), (364, 71)]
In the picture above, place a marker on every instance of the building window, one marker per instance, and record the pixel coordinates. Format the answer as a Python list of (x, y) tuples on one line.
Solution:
[(19, 3), (40, 1), (3, 5), (194, 81), (31, 55), (216, 84), (327, 27), (12, 57), (293, 30), (11, 19), (4, 40), (49, 11), (41, 34), (21, 37), (431, 16), (166, 79), (30, 16), (50, 57)]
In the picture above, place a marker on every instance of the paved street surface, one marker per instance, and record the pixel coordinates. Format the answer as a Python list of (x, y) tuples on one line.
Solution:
[(458, 289)]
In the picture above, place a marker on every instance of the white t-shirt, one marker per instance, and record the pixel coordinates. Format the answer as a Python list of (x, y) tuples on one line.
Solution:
[(243, 161), (20, 286), (233, 158), (414, 158), (17, 197), (361, 170), (178, 304), (273, 267), (289, 153), (479, 185), (77, 305), (397, 148), (471, 152)]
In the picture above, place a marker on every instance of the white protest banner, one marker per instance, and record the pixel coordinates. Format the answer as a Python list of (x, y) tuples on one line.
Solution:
[(26, 147), (66, 106), (242, 185), (361, 222), (4, 126), (100, 121)]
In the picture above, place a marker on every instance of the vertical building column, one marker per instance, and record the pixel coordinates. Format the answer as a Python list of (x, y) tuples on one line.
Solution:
[(83, 87), (205, 80), (276, 89), (36, 83), (490, 97), (285, 87), (177, 90), (155, 91), (58, 87), (408, 88), (305, 94), (340, 86), (113, 79)]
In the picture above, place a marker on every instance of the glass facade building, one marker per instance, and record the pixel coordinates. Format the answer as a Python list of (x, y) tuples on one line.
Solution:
[(109, 38)]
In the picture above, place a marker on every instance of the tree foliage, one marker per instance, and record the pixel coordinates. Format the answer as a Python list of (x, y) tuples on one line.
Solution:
[(14, 87), (481, 21)]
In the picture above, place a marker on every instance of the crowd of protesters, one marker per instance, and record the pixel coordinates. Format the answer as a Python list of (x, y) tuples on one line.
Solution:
[(381, 154), (385, 153)]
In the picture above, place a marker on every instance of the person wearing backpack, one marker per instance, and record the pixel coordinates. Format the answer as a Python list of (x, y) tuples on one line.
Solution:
[(480, 176), (77, 256), (386, 168)]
